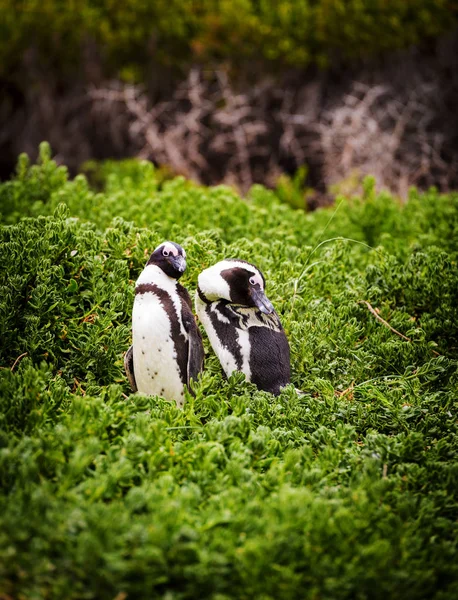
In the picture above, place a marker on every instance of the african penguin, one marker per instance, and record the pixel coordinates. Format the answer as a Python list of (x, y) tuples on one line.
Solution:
[(244, 329), (167, 350)]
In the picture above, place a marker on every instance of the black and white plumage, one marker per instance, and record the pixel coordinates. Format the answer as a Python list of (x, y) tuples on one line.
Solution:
[(242, 325), (167, 350)]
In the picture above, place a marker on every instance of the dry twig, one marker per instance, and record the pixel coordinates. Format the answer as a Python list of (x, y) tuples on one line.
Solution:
[(379, 318), (18, 359)]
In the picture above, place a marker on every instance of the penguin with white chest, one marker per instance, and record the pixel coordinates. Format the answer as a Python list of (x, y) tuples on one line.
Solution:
[(242, 325), (167, 350)]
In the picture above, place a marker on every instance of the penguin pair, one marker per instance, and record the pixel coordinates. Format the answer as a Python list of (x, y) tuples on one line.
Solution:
[(241, 323)]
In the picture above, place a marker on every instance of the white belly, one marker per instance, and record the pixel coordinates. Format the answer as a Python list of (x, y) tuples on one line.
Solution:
[(155, 366), (225, 357)]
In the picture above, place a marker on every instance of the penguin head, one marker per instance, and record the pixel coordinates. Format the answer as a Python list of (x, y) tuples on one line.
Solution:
[(235, 281), (169, 257)]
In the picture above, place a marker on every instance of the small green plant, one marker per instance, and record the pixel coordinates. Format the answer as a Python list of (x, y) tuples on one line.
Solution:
[(346, 491), (293, 190)]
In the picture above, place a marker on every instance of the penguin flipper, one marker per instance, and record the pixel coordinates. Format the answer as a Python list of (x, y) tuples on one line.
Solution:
[(195, 345), (129, 368)]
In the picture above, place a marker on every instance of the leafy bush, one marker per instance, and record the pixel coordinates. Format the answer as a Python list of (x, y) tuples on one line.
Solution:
[(347, 491), (129, 36)]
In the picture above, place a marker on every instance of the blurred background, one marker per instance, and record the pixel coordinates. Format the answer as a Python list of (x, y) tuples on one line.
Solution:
[(307, 96)]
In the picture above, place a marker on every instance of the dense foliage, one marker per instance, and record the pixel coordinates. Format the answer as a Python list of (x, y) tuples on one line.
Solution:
[(348, 491), (130, 36)]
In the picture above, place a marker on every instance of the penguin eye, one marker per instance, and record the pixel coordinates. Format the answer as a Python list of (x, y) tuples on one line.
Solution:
[(252, 281), (165, 252)]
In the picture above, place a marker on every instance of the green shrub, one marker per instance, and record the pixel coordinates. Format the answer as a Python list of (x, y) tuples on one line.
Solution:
[(130, 36), (347, 491)]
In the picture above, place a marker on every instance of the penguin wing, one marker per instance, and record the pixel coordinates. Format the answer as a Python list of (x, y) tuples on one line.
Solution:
[(195, 344), (195, 350), (129, 367)]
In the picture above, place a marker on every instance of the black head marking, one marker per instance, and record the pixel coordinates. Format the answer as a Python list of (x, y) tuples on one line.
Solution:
[(246, 289), (238, 280), (171, 258), (249, 267)]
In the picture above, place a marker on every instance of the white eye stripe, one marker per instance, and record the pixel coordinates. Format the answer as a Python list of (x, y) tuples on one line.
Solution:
[(256, 279), (169, 249)]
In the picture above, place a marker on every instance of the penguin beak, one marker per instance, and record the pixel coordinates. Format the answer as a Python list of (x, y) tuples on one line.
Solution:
[(179, 263), (261, 301)]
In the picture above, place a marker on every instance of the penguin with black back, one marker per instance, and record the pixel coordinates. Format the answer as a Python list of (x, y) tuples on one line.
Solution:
[(167, 350), (242, 325)]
